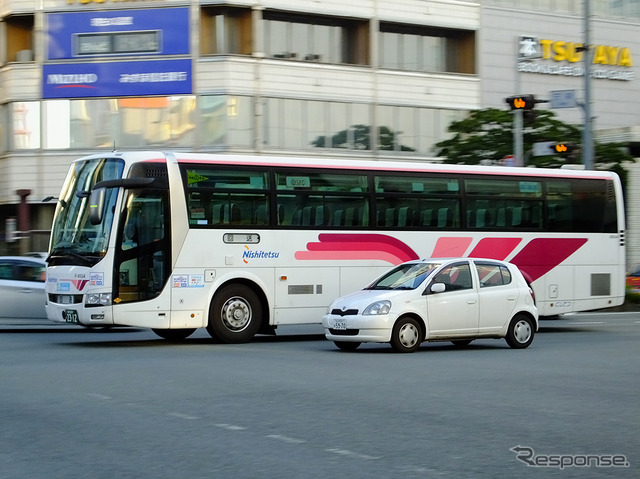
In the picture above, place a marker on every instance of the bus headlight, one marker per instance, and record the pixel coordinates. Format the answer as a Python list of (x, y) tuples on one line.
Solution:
[(99, 299)]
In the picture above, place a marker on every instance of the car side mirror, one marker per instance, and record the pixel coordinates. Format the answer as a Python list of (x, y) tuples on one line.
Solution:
[(437, 288)]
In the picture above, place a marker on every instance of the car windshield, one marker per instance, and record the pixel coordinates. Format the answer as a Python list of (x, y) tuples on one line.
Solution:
[(405, 276)]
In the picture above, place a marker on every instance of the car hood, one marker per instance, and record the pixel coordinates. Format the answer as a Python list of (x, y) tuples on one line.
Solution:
[(361, 299)]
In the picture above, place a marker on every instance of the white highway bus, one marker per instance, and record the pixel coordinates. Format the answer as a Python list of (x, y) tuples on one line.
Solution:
[(242, 244)]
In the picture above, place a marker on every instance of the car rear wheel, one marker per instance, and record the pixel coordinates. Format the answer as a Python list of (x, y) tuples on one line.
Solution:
[(521, 331), (406, 335), (347, 345)]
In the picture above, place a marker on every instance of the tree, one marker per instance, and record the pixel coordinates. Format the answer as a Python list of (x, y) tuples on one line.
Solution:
[(486, 136)]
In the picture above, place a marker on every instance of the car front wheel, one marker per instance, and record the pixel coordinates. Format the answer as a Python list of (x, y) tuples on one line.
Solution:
[(521, 331), (406, 335)]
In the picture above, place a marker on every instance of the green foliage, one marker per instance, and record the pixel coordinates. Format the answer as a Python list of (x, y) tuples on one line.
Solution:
[(486, 136)]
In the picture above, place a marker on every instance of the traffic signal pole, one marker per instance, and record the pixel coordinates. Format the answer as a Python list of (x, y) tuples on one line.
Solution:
[(518, 149), (587, 132)]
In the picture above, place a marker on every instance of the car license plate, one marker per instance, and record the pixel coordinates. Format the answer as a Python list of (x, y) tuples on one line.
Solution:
[(71, 316), (342, 325)]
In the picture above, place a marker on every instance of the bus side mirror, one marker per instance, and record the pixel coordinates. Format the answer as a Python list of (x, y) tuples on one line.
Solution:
[(96, 205)]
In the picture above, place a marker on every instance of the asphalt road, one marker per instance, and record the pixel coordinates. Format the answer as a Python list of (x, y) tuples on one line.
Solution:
[(126, 404)]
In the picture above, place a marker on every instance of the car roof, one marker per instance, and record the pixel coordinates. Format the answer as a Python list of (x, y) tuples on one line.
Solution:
[(446, 260), (31, 259)]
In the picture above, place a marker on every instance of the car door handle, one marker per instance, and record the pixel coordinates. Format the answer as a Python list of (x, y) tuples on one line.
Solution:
[(511, 298), (472, 301), (29, 291)]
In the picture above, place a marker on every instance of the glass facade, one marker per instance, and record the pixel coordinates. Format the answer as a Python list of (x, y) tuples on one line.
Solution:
[(621, 9), (226, 122)]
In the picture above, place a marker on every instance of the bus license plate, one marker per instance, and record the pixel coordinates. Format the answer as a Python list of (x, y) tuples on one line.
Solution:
[(341, 325), (71, 316)]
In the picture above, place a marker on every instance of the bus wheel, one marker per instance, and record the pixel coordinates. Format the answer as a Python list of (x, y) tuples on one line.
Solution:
[(520, 332), (235, 314), (174, 334), (347, 345)]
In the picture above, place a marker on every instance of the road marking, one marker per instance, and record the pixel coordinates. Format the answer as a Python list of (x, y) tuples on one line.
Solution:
[(290, 440), (182, 416), (99, 396), (348, 453), (231, 427)]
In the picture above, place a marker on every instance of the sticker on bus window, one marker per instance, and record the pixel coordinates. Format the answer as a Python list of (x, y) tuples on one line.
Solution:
[(530, 187), (193, 177), (197, 213), (298, 182)]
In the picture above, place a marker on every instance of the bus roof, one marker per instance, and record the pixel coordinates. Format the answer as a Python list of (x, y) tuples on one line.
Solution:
[(366, 164)]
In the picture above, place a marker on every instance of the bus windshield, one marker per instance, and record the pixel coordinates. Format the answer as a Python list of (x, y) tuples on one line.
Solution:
[(73, 236)]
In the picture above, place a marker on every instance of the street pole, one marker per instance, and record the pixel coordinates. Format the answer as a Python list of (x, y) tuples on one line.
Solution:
[(587, 133), (517, 120)]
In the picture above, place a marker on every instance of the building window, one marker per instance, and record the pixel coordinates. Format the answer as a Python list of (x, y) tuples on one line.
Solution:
[(227, 121), (315, 39), (120, 123), (407, 47), (4, 131), (225, 30), (25, 118), (19, 30)]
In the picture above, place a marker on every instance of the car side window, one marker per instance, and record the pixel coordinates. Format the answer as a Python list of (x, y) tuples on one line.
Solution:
[(5, 271), (455, 277), (30, 272), (493, 275)]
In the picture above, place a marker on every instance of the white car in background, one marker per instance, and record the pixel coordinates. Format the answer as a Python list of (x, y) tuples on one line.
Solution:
[(22, 282), (455, 300)]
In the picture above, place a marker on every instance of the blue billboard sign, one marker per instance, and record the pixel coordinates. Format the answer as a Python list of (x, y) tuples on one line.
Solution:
[(113, 79), (158, 31)]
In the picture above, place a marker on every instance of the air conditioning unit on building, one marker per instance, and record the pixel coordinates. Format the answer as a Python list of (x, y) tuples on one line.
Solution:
[(24, 56)]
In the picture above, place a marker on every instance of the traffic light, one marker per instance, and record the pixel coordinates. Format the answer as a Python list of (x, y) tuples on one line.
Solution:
[(562, 149), (522, 102)]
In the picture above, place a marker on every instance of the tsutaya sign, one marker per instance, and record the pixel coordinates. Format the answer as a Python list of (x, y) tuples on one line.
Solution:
[(557, 57)]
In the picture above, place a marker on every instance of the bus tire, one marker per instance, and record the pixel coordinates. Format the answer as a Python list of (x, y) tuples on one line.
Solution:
[(174, 334), (520, 332), (235, 314)]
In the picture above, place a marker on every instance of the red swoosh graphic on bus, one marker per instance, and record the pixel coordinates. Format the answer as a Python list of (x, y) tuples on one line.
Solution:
[(541, 255), (536, 259), (358, 246), (452, 247), (79, 283), (495, 248)]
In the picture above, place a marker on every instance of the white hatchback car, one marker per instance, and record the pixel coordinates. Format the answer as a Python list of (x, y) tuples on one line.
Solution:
[(456, 300)]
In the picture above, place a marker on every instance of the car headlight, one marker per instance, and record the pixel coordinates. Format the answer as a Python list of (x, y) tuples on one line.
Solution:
[(99, 299), (379, 307)]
